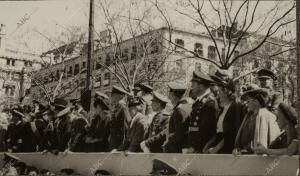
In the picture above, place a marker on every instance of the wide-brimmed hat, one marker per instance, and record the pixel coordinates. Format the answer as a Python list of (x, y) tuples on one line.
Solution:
[(176, 87), (266, 74), (289, 113), (260, 94)]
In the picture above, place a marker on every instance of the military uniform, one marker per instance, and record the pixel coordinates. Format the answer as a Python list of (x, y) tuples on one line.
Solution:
[(78, 134), (202, 122), (178, 126), (156, 134), (99, 130), (275, 97)]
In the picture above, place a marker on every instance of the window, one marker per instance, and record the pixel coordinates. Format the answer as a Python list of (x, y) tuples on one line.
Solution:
[(211, 52), (133, 52), (6, 90), (13, 62), (107, 60), (106, 79), (198, 49), (7, 61), (125, 54), (98, 65), (57, 74), (179, 42), (12, 91), (25, 63), (76, 69), (70, 72), (30, 64), (83, 65)]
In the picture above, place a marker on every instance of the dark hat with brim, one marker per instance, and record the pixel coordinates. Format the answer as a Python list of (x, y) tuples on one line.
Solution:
[(222, 78), (266, 74), (102, 172), (289, 113), (160, 97), (119, 90), (177, 87), (202, 78), (144, 87), (161, 167), (260, 94), (63, 112), (60, 103), (67, 171)]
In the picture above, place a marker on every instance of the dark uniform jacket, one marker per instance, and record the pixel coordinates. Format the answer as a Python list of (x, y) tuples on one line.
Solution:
[(19, 137), (134, 133), (155, 137), (38, 126), (202, 122), (178, 127), (99, 129), (116, 126), (48, 139), (62, 132)]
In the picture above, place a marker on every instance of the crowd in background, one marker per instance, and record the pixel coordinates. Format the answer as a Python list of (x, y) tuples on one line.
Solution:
[(210, 118)]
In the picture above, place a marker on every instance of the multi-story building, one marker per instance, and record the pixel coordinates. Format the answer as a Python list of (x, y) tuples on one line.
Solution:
[(177, 59), (16, 70)]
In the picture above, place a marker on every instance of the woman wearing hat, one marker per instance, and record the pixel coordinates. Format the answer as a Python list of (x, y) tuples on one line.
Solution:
[(253, 129), (287, 121), (229, 119)]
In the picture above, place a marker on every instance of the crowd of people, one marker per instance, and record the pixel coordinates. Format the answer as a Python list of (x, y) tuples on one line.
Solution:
[(210, 118)]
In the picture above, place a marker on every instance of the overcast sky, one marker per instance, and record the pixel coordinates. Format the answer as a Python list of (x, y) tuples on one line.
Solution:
[(25, 21)]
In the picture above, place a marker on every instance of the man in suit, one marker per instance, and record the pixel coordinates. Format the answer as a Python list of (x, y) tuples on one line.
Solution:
[(203, 118), (178, 124)]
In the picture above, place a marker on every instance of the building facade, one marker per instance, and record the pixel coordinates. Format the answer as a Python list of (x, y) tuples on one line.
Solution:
[(16, 71), (155, 46)]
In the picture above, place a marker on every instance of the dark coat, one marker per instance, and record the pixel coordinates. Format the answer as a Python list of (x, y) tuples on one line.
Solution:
[(19, 137), (99, 129), (116, 126), (202, 122), (178, 128), (154, 136), (62, 133), (135, 133), (231, 124)]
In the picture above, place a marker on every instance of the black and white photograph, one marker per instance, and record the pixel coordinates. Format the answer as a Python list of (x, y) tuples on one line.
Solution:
[(149, 87)]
